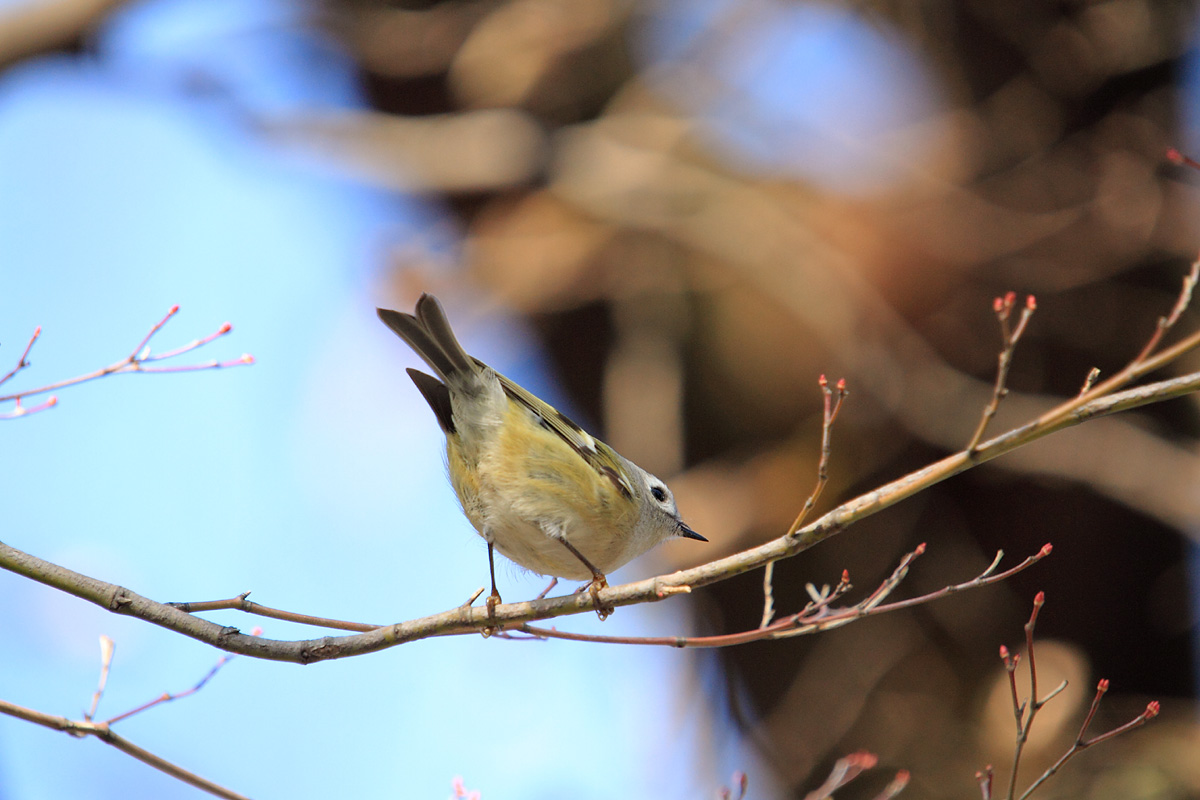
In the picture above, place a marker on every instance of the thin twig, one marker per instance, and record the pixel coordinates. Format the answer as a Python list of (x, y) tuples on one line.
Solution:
[(829, 415), (815, 617), (136, 361), (844, 770), (240, 603), (167, 697), (1089, 381), (23, 361), (833, 404), (1152, 710), (1166, 323), (768, 595), (105, 734), (895, 786), (1010, 335), (1178, 158), (22, 411), (106, 656), (984, 779), (1025, 712)]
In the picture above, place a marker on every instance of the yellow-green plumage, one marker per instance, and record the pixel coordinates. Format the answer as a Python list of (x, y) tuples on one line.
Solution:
[(536, 486)]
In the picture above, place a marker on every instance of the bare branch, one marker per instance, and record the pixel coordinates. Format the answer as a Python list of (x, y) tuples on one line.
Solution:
[(104, 733), (1099, 400), (1010, 335), (817, 616), (844, 770), (1025, 712), (23, 361), (136, 361), (106, 656), (829, 415)]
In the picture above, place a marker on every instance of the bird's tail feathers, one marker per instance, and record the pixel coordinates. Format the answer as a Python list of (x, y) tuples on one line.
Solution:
[(429, 334)]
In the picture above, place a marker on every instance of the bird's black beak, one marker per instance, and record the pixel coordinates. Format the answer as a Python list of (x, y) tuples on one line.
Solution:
[(688, 533)]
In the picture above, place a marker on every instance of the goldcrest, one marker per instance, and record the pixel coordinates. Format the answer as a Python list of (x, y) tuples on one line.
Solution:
[(534, 484)]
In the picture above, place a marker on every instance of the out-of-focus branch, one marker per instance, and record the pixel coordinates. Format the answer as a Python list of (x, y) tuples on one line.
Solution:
[(27, 29), (472, 151), (612, 171)]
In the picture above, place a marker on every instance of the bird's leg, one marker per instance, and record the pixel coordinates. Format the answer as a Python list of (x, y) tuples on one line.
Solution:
[(493, 599), (598, 581)]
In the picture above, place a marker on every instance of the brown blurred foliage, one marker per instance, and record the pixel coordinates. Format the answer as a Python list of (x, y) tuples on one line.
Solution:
[(690, 303)]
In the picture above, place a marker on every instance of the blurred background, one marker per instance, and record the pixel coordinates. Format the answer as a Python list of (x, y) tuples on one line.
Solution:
[(667, 218)]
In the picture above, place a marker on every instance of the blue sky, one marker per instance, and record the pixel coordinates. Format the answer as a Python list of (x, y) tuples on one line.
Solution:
[(312, 478)]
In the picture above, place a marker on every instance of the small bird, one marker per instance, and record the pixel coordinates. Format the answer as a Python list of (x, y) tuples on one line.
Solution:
[(535, 485)]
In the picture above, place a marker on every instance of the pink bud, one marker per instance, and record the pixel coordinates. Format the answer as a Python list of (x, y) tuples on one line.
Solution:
[(1152, 710), (53, 401), (1174, 156), (1102, 686), (841, 384), (226, 328), (1030, 302), (1039, 599), (920, 549), (173, 310), (1047, 548)]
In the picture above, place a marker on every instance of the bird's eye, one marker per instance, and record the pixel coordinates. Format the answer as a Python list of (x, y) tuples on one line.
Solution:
[(660, 494)]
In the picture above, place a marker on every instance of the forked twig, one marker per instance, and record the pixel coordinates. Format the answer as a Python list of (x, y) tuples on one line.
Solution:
[(23, 361), (1024, 712), (1002, 307), (847, 768), (167, 697), (832, 405), (1152, 709), (103, 730), (816, 616), (136, 361)]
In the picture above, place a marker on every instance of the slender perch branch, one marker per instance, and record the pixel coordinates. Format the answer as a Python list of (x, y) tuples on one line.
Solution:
[(509, 615)]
